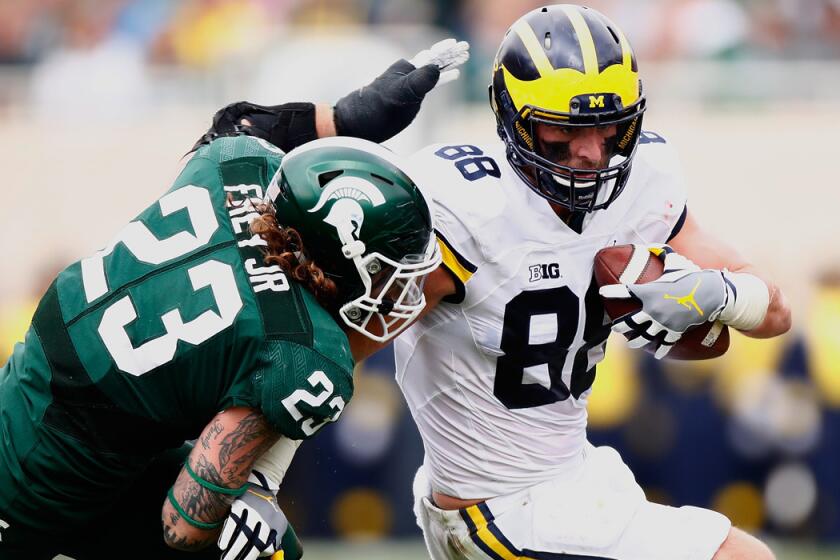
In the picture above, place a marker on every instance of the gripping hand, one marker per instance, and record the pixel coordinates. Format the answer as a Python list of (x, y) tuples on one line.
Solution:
[(683, 297), (383, 108), (257, 526)]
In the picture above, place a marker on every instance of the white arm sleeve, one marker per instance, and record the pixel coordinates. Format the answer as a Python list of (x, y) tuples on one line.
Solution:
[(275, 462)]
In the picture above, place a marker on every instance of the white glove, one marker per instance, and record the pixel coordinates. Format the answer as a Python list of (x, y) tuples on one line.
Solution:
[(683, 297), (256, 524), (447, 55)]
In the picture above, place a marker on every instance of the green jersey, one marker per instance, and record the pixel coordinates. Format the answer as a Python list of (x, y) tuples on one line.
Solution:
[(134, 349)]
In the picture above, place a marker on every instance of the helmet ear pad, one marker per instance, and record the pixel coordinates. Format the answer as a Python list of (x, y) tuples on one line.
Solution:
[(627, 137)]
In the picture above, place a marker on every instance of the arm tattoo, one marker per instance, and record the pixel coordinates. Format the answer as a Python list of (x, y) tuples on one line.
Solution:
[(212, 431), (199, 502), (250, 428), (180, 543), (224, 457)]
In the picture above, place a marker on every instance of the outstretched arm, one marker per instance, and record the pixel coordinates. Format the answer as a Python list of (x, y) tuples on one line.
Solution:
[(375, 112), (220, 464)]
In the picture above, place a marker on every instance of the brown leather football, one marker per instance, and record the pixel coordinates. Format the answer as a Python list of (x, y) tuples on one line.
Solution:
[(632, 264)]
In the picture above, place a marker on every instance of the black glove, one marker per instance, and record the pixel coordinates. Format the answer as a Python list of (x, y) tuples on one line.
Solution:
[(387, 105), (286, 126)]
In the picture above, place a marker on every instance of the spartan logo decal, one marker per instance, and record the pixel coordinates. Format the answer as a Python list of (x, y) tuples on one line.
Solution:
[(346, 214), (3, 525)]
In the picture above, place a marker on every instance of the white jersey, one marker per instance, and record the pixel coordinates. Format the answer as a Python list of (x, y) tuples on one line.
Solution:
[(497, 384)]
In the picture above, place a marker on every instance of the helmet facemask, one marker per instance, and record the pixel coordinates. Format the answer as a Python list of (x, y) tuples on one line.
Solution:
[(543, 164), (393, 291)]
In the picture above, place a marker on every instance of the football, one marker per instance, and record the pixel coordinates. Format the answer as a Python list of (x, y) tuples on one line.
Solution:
[(631, 264)]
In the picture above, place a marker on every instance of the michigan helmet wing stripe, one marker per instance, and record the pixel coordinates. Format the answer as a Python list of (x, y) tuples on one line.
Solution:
[(512, 58), (557, 37), (609, 47), (587, 44), (628, 57), (534, 48)]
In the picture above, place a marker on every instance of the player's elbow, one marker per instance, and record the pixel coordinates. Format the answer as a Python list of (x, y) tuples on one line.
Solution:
[(775, 324), (777, 320), (778, 314), (180, 540), (172, 539), (785, 322), (180, 535)]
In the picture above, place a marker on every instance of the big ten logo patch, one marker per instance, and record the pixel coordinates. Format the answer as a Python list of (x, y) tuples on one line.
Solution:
[(543, 271)]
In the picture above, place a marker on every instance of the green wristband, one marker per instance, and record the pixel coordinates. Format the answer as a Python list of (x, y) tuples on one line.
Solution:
[(210, 486), (194, 522)]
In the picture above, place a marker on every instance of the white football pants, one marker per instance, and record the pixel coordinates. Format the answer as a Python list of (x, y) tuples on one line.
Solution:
[(596, 511)]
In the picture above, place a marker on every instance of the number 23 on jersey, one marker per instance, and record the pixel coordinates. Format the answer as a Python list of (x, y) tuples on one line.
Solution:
[(147, 248)]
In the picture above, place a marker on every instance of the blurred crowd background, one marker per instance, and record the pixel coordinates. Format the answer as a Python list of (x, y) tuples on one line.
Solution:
[(203, 33), (99, 99)]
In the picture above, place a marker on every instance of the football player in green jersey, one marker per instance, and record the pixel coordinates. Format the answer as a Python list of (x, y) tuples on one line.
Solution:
[(219, 313), (190, 323)]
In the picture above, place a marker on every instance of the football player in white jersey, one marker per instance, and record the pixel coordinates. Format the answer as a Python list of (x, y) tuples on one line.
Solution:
[(498, 370)]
